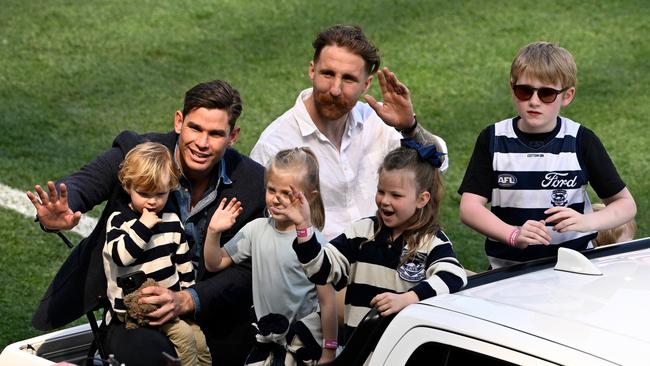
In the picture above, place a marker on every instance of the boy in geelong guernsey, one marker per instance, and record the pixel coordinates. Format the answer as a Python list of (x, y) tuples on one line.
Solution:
[(534, 168)]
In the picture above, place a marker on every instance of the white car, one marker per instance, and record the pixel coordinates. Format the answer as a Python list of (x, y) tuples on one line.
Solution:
[(578, 310)]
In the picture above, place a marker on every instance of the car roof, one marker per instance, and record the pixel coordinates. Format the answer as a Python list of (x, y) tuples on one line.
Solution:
[(603, 315)]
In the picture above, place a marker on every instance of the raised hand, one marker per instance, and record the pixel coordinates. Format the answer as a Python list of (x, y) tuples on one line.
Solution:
[(295, 208), (149, 218), (225, 215), (396, 109), (52, 209)]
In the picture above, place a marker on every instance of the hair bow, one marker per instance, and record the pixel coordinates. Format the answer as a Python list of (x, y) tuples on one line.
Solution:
[(427, 153)]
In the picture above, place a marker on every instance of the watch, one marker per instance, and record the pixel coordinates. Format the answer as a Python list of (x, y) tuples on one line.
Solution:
[(409, 130)]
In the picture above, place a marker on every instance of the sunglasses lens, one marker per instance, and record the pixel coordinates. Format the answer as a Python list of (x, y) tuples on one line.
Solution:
[(547, 95), (523, 92)]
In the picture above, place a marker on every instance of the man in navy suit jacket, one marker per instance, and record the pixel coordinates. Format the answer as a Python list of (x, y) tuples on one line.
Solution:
[(211, 170)]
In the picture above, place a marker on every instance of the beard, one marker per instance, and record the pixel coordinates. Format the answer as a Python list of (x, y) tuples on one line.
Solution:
[(331, 108)]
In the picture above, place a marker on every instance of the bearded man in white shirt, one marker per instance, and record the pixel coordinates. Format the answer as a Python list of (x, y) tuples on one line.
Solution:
[(350, 138)]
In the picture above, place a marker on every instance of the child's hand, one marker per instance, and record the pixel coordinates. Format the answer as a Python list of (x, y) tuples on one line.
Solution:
[(533, 233), (295, 208), (149, 218), (568, 219), (225, 215), (327, 355), (388, 303)]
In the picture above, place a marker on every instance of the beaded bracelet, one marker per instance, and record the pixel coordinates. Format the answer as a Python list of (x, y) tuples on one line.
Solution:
[(305, 233), (330, 344), (512, 240)]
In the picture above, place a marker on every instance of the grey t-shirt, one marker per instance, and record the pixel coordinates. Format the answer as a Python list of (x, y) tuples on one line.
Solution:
[(280, 285)]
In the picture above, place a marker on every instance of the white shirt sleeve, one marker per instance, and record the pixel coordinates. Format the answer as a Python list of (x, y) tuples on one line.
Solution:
[(262, 152)]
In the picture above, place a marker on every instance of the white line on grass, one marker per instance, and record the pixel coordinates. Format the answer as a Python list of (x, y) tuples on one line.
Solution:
[(16, 200)]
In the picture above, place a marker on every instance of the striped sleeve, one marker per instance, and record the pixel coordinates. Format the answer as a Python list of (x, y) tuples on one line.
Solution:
[(126, 240), (331, 263), (183, 260), (323, 264), (444, 273)]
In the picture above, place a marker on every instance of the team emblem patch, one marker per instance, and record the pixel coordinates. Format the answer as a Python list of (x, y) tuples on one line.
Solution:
[(506, 180), (414, 269), (559, 197)]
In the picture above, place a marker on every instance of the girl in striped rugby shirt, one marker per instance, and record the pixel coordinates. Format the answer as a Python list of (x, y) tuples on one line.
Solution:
[(396, 258)]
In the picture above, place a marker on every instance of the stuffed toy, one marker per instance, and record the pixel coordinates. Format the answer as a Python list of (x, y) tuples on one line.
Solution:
[(135, 313)]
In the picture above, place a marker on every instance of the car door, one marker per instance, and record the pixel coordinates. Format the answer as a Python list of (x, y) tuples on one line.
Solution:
[(436, 347)]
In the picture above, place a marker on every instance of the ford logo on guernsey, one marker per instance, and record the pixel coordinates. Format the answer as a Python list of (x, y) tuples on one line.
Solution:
[(506, 180), (559, 180)]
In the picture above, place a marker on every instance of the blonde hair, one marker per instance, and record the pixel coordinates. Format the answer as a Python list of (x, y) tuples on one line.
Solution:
[(611, 236), (144, 168), (546, 62), (425, 222), (304, 160)]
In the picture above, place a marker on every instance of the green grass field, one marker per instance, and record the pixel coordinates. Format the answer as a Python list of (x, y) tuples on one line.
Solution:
[(73, 74)]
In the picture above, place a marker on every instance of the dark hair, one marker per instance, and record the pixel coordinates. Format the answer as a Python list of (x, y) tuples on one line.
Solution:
[(216, 94), (352, 38), (425, 222)]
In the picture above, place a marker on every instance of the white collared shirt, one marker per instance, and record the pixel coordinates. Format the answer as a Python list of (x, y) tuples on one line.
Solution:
[(348, 177)]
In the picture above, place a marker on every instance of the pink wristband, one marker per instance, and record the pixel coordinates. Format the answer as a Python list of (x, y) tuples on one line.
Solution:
[(330, 344), (305, 232), (512, 240)]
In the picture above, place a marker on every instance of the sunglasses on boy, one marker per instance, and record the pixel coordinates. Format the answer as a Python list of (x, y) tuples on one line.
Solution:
[(525, 92)]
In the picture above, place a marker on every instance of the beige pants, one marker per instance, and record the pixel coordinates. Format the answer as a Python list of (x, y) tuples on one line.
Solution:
[(189, 342)]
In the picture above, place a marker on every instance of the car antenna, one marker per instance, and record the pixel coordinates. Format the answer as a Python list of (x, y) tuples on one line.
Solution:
[(570, 260)]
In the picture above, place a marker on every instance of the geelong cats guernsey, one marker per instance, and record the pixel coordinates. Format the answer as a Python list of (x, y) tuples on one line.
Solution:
[(528, 180)]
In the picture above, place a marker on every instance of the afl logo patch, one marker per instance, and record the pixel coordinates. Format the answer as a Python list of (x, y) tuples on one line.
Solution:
[(506, 180)]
